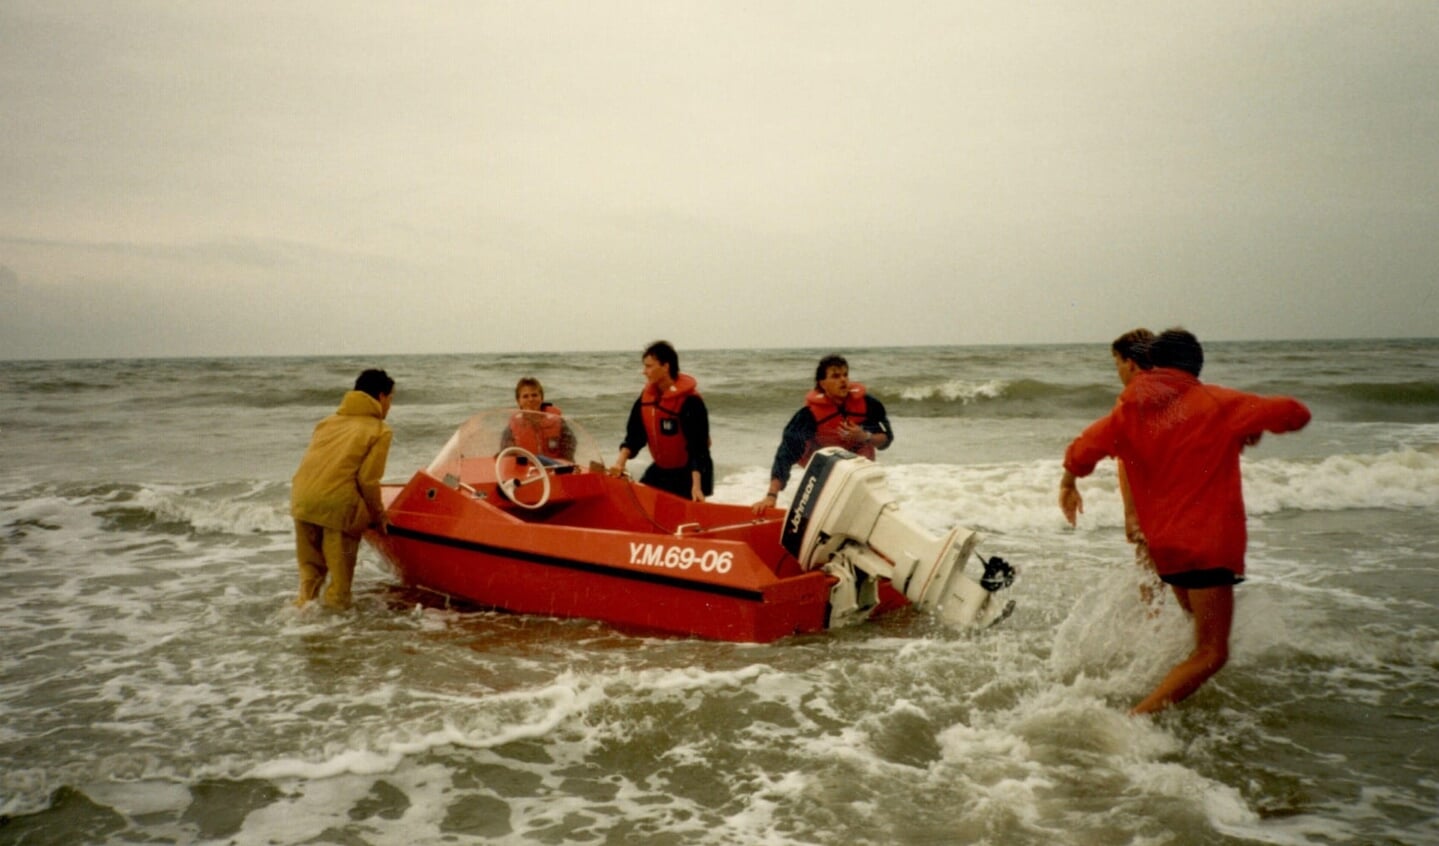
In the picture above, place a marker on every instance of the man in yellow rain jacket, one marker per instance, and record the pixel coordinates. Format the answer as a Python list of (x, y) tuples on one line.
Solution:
[(335, 494)]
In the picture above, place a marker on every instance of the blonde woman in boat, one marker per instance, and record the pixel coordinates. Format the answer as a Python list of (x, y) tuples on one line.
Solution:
[(538, 426)]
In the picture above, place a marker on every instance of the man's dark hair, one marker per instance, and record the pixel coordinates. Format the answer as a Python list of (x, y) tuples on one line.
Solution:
[(1179, 349), (821, 370), (1134, 346), (375, 382), (664, 353)]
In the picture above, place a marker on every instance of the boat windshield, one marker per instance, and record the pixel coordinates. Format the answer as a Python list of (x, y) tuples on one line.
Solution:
[(551, 438)]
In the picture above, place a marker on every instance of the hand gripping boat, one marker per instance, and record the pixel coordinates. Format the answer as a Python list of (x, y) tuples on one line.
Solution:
[(501, 520)]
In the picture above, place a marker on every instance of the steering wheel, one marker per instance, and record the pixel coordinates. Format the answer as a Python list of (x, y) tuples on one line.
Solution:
[(508, 487)]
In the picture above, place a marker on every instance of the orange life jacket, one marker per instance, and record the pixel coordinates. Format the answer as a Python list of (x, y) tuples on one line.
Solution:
[(661, 415), (828, 416), (540, 432)]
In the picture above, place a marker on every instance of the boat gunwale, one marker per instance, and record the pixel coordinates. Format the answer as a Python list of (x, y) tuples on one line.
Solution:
[(546, 559)]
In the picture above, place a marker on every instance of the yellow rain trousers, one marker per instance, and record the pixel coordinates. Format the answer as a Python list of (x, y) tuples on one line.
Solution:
[(335, 495)]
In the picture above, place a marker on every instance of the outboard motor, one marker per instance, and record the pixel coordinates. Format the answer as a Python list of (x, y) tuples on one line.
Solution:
[(844, 519), (998, 574)]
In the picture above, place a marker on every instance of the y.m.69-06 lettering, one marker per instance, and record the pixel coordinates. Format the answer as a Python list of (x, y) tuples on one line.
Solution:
[(680, 557)]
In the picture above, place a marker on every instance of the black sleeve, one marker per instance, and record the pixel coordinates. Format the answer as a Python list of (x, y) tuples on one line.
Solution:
[(798, 433), (695, 424), (635, 437), (877, 421)]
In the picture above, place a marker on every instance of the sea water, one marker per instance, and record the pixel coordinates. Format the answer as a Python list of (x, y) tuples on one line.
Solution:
[(159, 688)]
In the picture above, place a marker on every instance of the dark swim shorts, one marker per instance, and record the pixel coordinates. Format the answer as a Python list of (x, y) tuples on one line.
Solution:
[(1199, 579)]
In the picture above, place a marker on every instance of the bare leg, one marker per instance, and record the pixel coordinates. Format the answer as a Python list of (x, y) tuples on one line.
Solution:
[(1147, 593), (1213, 617), (1183, 596)]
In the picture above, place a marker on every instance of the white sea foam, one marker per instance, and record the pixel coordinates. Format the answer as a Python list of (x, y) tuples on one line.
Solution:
[(1221, 803), (1405, 478), (960, 390), (256, 509), (153, 664), (312, 809), (1023, 497)]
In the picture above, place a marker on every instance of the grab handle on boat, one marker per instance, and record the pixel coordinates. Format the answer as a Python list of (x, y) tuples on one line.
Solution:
[(698, 529)]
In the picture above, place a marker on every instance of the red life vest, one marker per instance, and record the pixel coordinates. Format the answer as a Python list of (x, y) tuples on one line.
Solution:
[(828, 416), (540, 432), (661, 415)]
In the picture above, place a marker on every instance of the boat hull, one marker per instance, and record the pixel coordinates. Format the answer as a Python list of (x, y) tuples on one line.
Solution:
[(644, 561)]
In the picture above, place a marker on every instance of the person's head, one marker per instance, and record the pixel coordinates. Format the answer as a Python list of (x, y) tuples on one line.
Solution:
[(378, 384), (529, 394), (831, 376), (660, 359), (1177, 348), (1131, 353)]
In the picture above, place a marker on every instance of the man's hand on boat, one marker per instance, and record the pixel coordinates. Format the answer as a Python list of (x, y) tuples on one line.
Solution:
[(770, 500)]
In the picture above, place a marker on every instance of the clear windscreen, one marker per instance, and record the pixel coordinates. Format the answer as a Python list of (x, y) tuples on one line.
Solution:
[(551, 438)]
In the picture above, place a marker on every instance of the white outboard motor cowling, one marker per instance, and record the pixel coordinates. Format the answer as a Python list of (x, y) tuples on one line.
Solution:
[(844, 519)]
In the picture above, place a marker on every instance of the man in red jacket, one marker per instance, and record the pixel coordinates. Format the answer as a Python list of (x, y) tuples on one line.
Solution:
[(1179, 440)]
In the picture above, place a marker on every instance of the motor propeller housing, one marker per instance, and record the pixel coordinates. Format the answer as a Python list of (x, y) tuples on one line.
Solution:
[(845, 520)]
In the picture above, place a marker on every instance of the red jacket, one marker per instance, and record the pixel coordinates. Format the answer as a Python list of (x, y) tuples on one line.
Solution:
[(1180, 441)]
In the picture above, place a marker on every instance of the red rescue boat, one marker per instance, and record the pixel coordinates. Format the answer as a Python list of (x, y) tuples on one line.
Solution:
[(494, 524)]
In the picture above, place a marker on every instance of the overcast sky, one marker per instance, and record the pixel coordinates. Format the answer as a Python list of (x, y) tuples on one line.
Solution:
[(223, 178)]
